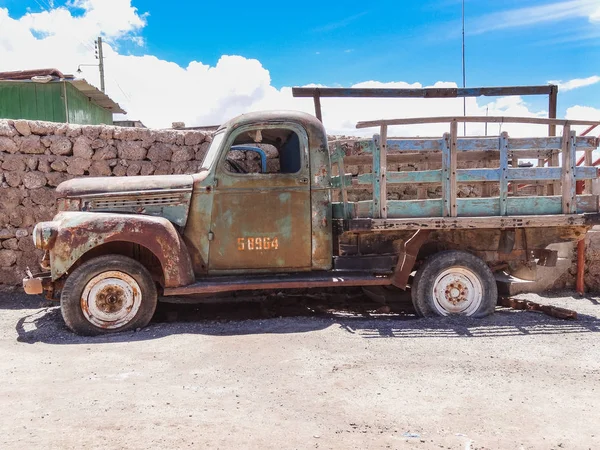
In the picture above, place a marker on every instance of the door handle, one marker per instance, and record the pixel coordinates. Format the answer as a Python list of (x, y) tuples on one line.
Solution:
[(304, 180)]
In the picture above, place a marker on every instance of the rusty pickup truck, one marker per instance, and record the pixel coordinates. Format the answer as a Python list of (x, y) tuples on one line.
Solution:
[(117, 245)]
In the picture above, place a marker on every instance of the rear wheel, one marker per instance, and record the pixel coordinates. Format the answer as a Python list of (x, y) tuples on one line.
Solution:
[(454, 283), (108, 294)]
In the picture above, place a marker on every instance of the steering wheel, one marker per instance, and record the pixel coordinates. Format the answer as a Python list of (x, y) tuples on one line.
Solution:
[(237, 167)]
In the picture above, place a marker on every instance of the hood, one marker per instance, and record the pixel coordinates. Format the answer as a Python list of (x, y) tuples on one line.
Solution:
[(167, 196), (102, 185)]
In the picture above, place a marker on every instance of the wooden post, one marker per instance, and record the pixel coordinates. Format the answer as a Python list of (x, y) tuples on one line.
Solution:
[(383, 171), (541, 189), (453, 163), (503, 173), (552, 107), (569, 204), (449, 171), (317, 100), (376, 170), (588, 162), (338, 158), (515, 184)]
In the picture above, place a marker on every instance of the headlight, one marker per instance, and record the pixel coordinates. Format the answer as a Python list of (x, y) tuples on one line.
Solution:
[(44, 234)]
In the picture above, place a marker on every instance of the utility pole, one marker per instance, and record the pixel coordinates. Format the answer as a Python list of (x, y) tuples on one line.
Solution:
[(100, 58)]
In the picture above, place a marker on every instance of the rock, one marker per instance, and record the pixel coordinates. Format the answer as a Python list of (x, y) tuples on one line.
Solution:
[(131, 150), (44, 166), (7, 145), (11, 244), (13, 179), (201, 152), (7, 257), (236, 155), (98, 143), (10, 276), (194, 137), (147, 168), (160, 152), (31, 162), (91, 131), (41, 128), (167, 136), (60, 165), (21, 233), (73, 131), (126, 133), (6, 129), (61, 146), (106, 132), (55, 178), (162, 168), (7, 233), (120, 170), (182, 154), (107, 152), (14, 163), (34, 180), (100, 169), (22, 127), (82, 148), (180, 167), (32, 145), (43, 196), (78, 166), (134, 168), (26, 244), (11, 197)]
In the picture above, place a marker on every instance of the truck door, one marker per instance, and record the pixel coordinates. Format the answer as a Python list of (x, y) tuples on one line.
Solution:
[(261, 212)]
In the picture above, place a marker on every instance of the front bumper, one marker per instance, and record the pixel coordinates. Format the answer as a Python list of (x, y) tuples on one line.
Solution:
[(37, 284)]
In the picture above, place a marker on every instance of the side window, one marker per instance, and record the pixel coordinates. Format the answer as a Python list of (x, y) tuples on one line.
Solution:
[(265, 151)]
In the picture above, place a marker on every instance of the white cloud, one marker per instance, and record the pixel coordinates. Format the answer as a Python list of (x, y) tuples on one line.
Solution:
[(539, 14), (159, 92), (575, 83)]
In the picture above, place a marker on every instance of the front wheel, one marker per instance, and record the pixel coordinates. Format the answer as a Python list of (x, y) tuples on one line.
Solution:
[(108, 294), (454, 283)]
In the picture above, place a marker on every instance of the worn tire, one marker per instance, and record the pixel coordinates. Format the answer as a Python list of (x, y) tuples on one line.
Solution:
[(454, 282), (108, 294)]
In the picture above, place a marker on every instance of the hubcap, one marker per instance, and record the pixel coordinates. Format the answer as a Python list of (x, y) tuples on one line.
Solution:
[(457, 290), (111, 299)]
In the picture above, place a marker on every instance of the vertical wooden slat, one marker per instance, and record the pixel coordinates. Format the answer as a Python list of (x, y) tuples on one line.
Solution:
[(569, 205), (446, 163), (514, 184), (503, 172), (541, 189), (588, 162), (339, 160), (422, 190), (555, 187), (377, 177), (552, 107), (383, 172), (317, 100), (453, 159)]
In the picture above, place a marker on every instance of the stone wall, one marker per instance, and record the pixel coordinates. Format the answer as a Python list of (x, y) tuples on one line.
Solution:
[(36, 156)]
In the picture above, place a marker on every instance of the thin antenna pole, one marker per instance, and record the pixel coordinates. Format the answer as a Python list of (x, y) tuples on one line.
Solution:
[(464, 72)]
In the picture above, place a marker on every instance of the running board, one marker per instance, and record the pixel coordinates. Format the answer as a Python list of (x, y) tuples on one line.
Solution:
[(298, 280)]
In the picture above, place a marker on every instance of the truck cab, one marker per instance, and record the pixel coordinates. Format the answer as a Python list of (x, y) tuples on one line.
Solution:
[(259, 215)]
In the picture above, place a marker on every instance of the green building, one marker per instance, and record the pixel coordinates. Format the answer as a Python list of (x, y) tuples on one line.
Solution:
[(47, 94)]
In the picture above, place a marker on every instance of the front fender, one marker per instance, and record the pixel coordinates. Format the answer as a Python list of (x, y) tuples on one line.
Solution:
[(79, 232)]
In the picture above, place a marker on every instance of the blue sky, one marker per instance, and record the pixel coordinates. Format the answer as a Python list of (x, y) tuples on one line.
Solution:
[(507, 43)]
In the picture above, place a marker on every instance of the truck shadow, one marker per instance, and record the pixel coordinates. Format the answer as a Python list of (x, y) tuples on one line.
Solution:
[(278, 314)]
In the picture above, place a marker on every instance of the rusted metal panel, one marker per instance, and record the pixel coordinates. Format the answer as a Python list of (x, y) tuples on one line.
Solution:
[(79, 232)]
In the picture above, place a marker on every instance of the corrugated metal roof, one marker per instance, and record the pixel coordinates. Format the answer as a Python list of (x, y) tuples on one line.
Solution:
[(96, 95), (80, 84)]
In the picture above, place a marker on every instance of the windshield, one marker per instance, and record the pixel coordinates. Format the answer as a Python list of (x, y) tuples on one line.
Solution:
[(211, 154)]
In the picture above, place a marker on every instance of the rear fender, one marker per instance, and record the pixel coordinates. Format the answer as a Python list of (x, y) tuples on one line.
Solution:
[(80, 232)]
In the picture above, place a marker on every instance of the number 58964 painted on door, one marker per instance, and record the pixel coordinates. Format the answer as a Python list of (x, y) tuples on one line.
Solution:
[(257, 243)]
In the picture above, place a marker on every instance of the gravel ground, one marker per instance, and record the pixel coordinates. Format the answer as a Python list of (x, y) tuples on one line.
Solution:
[(291, 372)]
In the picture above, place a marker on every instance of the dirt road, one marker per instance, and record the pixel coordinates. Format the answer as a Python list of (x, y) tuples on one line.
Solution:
[(203, 377)]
